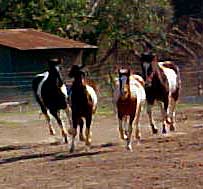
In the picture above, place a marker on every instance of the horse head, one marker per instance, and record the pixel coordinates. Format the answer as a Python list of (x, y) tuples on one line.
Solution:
[(76, 72), (54, 72), (124, 82), (148, 65)]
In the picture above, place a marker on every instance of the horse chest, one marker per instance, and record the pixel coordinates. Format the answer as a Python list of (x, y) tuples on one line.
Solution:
[(156, 96), (157, 91), (126, 105)]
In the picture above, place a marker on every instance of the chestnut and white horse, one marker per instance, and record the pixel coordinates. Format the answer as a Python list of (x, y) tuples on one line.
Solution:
[(83, 101), (129, 96), (162, 85)]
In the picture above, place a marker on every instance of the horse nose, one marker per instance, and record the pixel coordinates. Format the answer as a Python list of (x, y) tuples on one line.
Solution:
[(124, 91)]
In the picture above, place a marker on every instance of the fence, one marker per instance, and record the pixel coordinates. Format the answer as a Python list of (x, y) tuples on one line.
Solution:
[(16, 89), (17, 86)]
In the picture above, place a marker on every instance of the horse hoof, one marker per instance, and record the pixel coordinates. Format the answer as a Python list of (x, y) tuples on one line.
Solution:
[(164, 131), (129, 147), (122, 137), (71, 150), (172, 128), (87, 148), (88, 142), (66, 139), (137, 136), (138, 142), (82, 138), (154, 131), (125, 137), (52, 132), (72, 131)]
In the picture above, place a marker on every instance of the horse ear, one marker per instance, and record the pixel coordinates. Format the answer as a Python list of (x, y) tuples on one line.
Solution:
[(54, 62), (81, 66), (154, 58), (116, 69), (83, 74), (142, 58), (129, 71), (61, 60)]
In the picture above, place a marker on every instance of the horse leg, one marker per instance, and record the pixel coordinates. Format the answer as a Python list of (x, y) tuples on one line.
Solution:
[(47, 117), (137, 118), (164, 116), (149, 112), (48, 120), (120, 127), (68, 114), (63, 129), (81, 135), (129, 138), (87, 130), (125, 134), (171, 114), (73, 132)]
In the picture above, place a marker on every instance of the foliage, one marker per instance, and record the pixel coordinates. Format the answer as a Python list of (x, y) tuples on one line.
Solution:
[(112, 20), (132, 25)]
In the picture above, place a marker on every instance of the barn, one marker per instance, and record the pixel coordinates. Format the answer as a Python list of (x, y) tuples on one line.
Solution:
[(24, 52)]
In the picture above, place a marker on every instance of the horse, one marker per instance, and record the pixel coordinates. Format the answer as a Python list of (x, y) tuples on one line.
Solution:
[(129, 96), (162, 85), (51, 94), (83, 101)]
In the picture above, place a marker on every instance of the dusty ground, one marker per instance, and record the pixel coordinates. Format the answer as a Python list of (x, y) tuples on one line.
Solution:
[(31, 159)]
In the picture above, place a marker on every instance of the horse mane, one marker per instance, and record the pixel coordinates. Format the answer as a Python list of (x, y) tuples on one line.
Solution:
[(92, 84), (158, 71), (54, 71)]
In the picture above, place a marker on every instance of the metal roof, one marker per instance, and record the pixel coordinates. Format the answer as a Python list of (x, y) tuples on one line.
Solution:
[(31, 39)]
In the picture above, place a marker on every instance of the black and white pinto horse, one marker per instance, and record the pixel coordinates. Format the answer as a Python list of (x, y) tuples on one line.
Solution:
[(51, 95), (83, 105), (162, 84), (129, 96)]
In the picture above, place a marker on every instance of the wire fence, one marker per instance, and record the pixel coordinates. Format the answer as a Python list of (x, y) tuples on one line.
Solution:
[(18, 86)]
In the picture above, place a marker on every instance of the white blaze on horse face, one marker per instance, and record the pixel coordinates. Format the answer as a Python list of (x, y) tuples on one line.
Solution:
[(171, 77), (123, 80), (146, 67)]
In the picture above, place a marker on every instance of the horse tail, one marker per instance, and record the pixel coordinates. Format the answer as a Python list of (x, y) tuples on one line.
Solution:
[(178, 79)]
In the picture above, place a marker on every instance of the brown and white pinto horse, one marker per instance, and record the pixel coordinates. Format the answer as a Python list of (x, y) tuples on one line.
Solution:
[(83, 104), (129, 96), (162, 84), (50, 93)]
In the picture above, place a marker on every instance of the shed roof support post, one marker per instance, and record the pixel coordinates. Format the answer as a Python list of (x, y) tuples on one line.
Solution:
[(78, 59), (199, 77)]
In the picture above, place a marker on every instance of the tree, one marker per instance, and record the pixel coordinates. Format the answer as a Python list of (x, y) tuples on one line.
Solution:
[(109, 24)]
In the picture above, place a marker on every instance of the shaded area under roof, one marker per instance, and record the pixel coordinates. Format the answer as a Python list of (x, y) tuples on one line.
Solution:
[(31, 39)]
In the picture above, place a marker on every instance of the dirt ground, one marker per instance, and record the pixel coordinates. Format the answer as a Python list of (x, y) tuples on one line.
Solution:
[(31, 159)]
